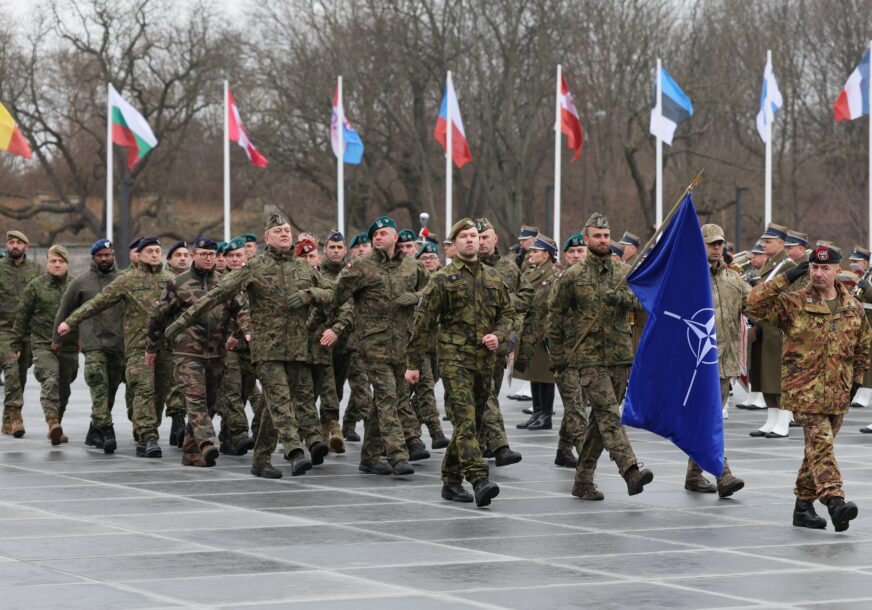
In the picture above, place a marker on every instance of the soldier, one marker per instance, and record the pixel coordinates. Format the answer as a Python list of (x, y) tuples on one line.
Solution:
[(133, 254), (384, 286), (16, 271), (518, 252), (250, 245), (360, 245), (757, 259), (407, 242), (198, 352), (220, 260), (826, 351), (138, 291), (428, 256), (617, 251), (574, 250), (471, 306), (178, 258), (729, 292), (55, 365), (601, 364), (102, 341), (280, 290), (631, 244), (449, 249), (795, 245), (178, 262)]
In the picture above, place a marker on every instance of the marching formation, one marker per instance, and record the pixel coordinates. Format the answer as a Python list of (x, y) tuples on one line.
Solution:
[(200, 331)]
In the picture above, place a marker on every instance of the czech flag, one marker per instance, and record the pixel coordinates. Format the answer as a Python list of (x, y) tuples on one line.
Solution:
[(459, 147), (11, 139), (853, 101)]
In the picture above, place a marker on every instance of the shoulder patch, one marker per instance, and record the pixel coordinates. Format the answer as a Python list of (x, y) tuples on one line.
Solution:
[(454, 277)]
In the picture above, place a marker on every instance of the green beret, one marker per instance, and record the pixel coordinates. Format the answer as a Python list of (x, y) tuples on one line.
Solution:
[(574, 242), (274, 220), (461, 225), (381, 222), (427, 248), (234, 244), (250, 238), (360, 238), (406, 235), (220, 247), (597, 220)]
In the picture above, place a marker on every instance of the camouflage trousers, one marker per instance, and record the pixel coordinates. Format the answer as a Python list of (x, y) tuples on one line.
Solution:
[(360, 397), (604, 387), (325, 391), (692, 467), (14, 376), (290, 414), (238, 386), (55, 373), (424, 398), (574, 423), (383, 432), (175, 401), (198, 379), (492, 429), (819, 477), (104, 372), (467, 393), (150, 387)]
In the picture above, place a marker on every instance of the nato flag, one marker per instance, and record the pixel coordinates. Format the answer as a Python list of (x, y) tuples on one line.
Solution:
[(674, 387)]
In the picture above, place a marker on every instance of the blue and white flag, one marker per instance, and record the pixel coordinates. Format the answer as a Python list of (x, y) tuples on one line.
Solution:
[(770, 102), (352, 145), (675, 388), (676, 109)]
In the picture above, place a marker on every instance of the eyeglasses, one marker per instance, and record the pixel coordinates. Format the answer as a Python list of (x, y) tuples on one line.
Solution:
[(208, 254)]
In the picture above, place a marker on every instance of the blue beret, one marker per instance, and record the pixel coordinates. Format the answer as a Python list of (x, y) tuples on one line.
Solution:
[(101, 244), (204, 243)]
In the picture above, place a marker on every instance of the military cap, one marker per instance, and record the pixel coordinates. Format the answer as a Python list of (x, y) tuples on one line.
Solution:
[(204, 243), (543, 242), (431, 239), (795, 238), (758, 249), (173, 248), (145, 242), (250, 238), (382, 222), (859, 254), (847, 277), (304, 246), (823, 242), (528, 231), (712, 233), (427, 248), (220, 247), (825, 255), (101, 244), (461, 225), (483, 224), (234, 244), (59, 250), (335, 235), (17, 235), (406, 235), (273, 221), (134, 244), (597, 220), (616, 248), (629, 239), (360, 238), (447, 241), (774, 231), (574, 242)]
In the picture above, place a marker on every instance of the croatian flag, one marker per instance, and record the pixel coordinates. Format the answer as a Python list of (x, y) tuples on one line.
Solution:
[(236, 133), (570, 124), (770, 102), (459, 146), (853, 101), (351, 141), (676, 109)]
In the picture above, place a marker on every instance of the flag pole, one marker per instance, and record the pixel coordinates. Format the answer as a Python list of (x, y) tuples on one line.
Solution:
[(659, 161), (870, 152), (557, 159), (340, 162), (767, 209), (109, 168), (226, 161), (448, 159)]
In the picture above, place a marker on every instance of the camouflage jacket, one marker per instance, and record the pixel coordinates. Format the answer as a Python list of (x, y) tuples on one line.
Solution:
[(35, 318), (105, 331), (520, 290), (729, 292), (575, 302), (13, 279), (278, 332), (373, 281), (542, 278), (823, 353), (138, 290), (206, 337)]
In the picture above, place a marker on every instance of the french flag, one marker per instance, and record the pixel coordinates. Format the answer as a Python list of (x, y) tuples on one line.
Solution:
[(459, 146), (853, 101)]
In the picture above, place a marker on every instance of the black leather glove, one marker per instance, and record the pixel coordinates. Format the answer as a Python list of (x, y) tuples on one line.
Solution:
[(797, 272), (611, 297), (753, 281), (854, 388)]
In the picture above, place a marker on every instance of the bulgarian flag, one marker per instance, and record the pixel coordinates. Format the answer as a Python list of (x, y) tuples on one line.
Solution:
[(11, 139), (130, 129)]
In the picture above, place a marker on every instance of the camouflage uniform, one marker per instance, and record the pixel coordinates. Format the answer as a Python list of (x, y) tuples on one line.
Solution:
[(34, 321), (138, 290), (824, 354), (466, 300), (14, 276), (374, 281), (175, 406), (602, 361)]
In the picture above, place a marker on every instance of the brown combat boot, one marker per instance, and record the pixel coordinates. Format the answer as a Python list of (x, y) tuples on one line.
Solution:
[(16, 423), (334, 437), (7, 428), (55, 432), (698, 483), (637, 478), (728, 485), (587, 491)]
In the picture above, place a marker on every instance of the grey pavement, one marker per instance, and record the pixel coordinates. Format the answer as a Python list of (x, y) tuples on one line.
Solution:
[(80, 529)]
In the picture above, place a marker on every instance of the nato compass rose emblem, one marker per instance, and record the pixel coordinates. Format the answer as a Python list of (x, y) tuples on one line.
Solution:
[(702, 340)]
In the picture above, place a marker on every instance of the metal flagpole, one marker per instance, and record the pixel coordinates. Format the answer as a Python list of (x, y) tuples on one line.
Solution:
[(870, 152), (659, 176), (340, 163), (767, 208), (226, 161), (109, 168), (448, 158), (557, 159)]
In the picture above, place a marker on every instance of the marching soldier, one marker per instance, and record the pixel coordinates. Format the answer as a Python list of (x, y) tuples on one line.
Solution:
[(178, 262)]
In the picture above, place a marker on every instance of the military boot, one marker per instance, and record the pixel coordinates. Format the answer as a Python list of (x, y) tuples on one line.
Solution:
[(177, 431), (805, 516), (300, 464), (17, 423), (565, 458), (7, 428), (455, 493), (485, 491), (54, 430), (402, 468), (543, 422), (350, 433), (334, 437), (266, 471), (243, 446), (417, 450), (318, 451), (152, 449), (438, 440), (140, 449), (94, 437), (729, 484), (637, 478), (375, 468), (841, 513), (587, 491), (505, 456), (698, 483), (526, 424), (210, 454), (109, 442), (64, 439)]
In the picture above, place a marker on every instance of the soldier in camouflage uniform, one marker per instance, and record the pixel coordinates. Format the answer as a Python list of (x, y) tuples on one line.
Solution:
[(826, 352), (384, 286), (471, 306), (178, 262), (16, 271), (101, 339), (198, 352), (601, 364), (250, 245), (55, 365), (138, 290), (281, 290)]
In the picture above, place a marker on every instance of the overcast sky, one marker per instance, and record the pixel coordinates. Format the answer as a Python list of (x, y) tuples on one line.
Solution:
[(20, 8)]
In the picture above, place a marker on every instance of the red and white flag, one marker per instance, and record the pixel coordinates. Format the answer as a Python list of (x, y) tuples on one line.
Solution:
[(459, 147), (570, 124), (236, 133)]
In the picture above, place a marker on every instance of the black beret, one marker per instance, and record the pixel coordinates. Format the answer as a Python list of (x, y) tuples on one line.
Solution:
[(145, 242)]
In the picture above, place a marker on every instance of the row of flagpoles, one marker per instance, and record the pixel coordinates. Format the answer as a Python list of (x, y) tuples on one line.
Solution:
[(127, 127)]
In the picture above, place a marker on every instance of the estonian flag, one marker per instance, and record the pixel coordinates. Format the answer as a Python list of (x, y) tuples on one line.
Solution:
[(676, 109)]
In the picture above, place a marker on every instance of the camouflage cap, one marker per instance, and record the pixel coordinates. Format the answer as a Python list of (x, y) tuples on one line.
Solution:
[(382, 222), (461, 225), (406, 235), (597, 220), (712, 233), (234, 244), (427, 248), (483, 224), (59, 250), (273, 221), (20, 236), (575, 241)]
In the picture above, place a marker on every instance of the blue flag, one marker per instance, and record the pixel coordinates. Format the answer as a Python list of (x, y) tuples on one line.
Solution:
[(675, 388)]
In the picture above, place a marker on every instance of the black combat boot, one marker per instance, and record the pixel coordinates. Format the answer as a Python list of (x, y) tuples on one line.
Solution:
[(402, 468), (152, 449), (805, 516), (319, 451), (543, 422), (455, 493), (177, 431), (350, 433), (526, 424), (94, 437), (565, 458), (210, 454), (438, 440), (109, 442), (417, 450), (485, 491), (375, 468), (266, 471), (841, 513), (505, 456), (300, 464), (244, 445)]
